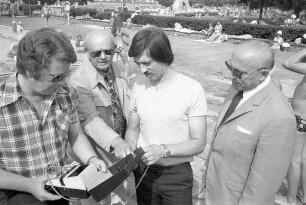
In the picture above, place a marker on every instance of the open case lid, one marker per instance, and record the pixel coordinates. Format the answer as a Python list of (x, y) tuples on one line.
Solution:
[(104, 183), (82, 179)]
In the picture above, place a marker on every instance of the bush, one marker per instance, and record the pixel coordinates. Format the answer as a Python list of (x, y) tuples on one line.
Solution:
[(25, 8), (197, 24), (192, 14), (103, 15), (81, 11)]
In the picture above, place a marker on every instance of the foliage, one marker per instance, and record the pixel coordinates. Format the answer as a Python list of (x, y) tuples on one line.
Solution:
[(26, 10), (81, 11), (257, 31), (92, 11), (165, 3), (193, 14)]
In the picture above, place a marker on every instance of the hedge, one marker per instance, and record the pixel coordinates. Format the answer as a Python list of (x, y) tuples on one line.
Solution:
[(25, 8), (197, 24), (81, 11)]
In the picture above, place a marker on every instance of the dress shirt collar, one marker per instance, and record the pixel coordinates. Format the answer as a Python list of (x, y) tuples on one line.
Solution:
[(249, 93), (96, 77)]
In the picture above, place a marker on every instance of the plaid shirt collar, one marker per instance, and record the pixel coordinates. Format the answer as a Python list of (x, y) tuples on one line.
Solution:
[(11, 91)]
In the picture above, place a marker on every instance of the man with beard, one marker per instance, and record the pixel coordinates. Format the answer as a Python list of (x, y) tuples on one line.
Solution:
[(102, 88), (254, 138)]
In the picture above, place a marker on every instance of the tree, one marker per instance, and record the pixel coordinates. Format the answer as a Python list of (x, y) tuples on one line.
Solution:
[(165, 3)]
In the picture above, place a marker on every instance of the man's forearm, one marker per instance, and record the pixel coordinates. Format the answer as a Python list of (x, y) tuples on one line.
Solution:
[(83, 149), (12, 181), (100, 132), (131, 137)]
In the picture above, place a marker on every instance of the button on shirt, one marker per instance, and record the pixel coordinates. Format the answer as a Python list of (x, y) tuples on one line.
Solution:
[(29, 141)]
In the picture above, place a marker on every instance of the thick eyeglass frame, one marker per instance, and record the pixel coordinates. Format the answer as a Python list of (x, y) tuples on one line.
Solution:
[(237, 73), (97, 53), (57, 78)]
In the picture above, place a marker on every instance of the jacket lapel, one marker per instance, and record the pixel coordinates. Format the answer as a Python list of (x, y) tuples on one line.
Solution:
[(247, 106)]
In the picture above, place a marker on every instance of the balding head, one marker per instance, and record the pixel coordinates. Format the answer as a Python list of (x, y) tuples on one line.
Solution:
[(98, 37), (100, 46), (251, 63), (254, 55)]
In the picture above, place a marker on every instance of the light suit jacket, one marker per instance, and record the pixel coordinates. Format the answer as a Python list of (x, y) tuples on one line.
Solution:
[(95, 106), (251, 152)]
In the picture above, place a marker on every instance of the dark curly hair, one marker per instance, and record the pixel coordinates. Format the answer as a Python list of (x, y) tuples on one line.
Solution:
[(38, 47)]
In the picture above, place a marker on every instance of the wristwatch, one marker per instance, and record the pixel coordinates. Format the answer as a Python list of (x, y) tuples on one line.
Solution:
[(166, 151)]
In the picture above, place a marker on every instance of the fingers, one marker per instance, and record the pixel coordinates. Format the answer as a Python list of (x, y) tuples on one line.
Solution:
[(49, 197), (100, 165), (122, 149)]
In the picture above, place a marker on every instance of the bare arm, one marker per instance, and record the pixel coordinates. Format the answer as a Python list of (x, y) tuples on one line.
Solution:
[(133, 130), (196, 144), (35, 186), (297, 62)]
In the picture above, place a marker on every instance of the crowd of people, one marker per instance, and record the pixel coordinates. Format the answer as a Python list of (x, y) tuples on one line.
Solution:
[(48, 111)]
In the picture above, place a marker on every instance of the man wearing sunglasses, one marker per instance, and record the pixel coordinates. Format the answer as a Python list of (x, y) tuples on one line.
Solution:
[(38, 117), (254, 138), (102, 89)]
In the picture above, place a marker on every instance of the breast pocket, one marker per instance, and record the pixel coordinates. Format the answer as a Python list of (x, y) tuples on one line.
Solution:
[(104, 107)]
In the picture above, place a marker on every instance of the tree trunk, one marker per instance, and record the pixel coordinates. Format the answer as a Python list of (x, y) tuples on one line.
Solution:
[(261, 7)]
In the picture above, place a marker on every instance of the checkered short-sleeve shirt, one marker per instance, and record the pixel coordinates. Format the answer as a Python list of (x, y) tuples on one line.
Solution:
[(28, 141)]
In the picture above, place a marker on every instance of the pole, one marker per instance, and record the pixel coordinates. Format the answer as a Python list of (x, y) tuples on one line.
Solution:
[(30, 9)]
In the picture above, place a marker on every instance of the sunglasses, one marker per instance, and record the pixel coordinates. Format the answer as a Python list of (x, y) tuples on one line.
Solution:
[(56, 78), (96, 54), (237, 73)]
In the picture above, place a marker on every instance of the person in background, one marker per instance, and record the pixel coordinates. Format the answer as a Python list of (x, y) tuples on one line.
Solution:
[(297, 171), (278, 41), (208, 31), (217, 32), (45, 12), (121, 38), (253, 142), (79, 42), (38, 118), (67, 12), (167, 119), (13, 51), (14, 26)]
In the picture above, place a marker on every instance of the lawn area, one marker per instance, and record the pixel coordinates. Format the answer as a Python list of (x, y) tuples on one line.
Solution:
[(202, 61)]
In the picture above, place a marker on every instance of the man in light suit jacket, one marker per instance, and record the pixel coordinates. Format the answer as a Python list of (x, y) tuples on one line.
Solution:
[(252, 148)]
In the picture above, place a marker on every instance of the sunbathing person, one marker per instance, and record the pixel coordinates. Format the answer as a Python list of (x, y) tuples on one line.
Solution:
[(208, 31), (217, 32)]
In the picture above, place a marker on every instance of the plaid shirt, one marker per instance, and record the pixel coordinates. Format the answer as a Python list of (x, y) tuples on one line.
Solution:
[(29, 141)]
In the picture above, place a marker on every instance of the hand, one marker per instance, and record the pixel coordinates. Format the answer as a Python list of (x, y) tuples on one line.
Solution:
[(122, 149), (153, 153), (36, 187), (100, 164)]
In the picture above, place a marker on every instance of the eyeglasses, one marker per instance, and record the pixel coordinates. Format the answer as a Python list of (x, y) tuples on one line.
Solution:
[(56, 78), (237, 73), (96, 54)]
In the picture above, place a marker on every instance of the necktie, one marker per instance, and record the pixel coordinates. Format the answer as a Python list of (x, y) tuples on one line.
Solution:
[(119, 120), (233, 105)]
